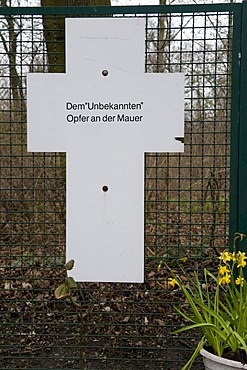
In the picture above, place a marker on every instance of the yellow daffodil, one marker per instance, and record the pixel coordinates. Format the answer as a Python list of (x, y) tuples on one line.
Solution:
[(172, 282), (226, 279), (223, 270), (184, 259), (241, 257), (239, 281), (225, 257)]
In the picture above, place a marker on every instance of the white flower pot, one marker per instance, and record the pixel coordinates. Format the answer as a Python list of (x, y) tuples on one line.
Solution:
[(213, 362)]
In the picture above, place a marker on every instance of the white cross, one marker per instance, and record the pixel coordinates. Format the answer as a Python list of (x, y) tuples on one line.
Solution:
[(105, 113)]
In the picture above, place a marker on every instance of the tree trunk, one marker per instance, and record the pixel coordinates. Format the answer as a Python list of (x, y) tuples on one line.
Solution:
[(10, 47), (54, 34), (54, 31)]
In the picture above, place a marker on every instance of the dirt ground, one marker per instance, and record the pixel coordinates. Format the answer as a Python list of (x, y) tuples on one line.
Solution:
[(125, 326), (61, 359)]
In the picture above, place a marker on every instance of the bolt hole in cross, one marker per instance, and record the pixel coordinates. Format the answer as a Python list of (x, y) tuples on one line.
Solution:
[(105, 72)]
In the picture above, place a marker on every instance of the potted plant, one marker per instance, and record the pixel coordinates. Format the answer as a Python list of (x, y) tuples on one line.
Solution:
[(218, 308)]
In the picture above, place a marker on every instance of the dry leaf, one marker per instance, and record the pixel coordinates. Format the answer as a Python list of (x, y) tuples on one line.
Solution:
[(26, 285), (61, 291), (160, 322), (8, 285)]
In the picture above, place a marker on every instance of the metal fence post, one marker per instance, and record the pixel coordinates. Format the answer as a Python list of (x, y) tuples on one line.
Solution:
[(242, 191), (235, 125)]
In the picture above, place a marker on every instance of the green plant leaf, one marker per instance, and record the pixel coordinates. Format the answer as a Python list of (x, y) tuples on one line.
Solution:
[(61, 291), (71, 283), (241, 340), (74, 302), (200, 325), (70, 265), (195, 354)]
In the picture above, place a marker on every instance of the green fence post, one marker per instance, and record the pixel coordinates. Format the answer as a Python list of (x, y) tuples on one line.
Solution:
[(235, 127), (242, 191)]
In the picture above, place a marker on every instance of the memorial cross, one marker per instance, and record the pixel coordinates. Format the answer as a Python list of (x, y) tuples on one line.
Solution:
[(105, 112)]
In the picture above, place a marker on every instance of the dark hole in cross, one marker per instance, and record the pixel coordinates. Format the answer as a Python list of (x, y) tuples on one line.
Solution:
[(105, 72)]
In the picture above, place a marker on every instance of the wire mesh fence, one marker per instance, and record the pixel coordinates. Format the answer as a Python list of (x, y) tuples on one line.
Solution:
[(123, 326)]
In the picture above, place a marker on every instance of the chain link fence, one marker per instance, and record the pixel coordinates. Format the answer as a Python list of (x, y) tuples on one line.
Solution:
[(122, 326)]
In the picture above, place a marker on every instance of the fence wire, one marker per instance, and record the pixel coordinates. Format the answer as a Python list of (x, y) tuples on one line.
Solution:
[(124, 326)]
